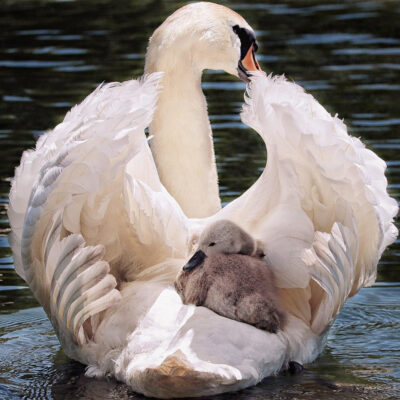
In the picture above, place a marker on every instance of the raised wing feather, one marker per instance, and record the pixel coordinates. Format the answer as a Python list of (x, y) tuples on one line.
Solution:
[(320, 206), (80, 285), (162, 228), (72, 212), (331, 266)]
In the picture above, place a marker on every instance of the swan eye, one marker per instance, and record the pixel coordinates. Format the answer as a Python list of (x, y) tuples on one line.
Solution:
[(211, 244)]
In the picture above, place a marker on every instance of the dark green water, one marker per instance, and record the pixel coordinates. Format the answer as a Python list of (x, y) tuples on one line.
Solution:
[(346, 53)]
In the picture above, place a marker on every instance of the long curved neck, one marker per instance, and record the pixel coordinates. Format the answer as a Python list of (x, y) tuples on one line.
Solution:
[(182, 145)]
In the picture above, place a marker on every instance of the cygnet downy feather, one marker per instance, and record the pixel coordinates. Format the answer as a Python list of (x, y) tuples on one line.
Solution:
[(227, 275)]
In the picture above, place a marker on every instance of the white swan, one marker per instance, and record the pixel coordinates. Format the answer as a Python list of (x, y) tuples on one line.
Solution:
[(98, 234)]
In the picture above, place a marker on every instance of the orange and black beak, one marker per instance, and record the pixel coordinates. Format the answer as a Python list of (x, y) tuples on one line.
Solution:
[(249, 63), (248, 48)]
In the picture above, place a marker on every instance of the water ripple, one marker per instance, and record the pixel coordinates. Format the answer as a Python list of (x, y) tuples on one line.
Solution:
[(368, 51), (351, 16), (384, 122), (38, 63)]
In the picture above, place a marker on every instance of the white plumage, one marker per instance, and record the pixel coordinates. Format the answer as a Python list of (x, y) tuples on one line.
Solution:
[(100, 240)]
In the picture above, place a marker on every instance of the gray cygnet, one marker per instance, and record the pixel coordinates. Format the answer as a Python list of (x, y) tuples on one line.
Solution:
[(228, 275)]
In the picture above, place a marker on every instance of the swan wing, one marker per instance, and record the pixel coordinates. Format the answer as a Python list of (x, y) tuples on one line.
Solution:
[(78, 282), (320, 206), (161, 228), (330, 260), (75, 197)]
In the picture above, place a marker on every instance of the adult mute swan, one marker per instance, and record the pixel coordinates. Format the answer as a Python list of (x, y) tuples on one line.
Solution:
[(101, 224)]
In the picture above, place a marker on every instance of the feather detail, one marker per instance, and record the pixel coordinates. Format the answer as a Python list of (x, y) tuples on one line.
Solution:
[(331, 266), (333, 182), (67, 195)]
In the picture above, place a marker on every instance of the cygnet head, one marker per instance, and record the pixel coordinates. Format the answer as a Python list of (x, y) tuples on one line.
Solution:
[(203, 36), (222, 237)]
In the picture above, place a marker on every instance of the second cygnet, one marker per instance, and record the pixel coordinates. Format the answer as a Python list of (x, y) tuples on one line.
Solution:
[(228, 275)]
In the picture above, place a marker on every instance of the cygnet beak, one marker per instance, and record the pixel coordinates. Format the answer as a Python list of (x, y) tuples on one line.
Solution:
[(195, 260), (248, 64)]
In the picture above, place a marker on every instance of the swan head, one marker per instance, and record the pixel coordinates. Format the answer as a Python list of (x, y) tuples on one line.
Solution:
[(203, 36), (223, 237)]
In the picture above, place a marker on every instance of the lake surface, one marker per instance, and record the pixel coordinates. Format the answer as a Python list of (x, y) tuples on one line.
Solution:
[(346, 53)]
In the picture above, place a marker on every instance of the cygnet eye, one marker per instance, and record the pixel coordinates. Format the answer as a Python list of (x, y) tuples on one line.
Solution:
[(211, 244)]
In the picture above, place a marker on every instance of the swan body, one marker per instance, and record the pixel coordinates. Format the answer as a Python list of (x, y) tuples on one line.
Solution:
[(101, 225)]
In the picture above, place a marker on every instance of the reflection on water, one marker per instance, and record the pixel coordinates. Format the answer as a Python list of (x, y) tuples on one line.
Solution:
[(362, 358), (346, 53)]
